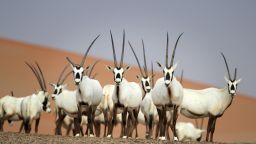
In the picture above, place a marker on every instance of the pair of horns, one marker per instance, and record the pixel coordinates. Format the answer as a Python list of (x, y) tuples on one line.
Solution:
[(85, 54), (114, 52), (39, 75), (173, 52), (144, 57), (229, 76)]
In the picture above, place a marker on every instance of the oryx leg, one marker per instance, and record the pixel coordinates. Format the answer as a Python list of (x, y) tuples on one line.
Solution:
[(37, 124), (164, 122), (97, 128), (59, 124), (133, 120), (213, 128), (124, 116), (175, 117), (27, 125), (1, 124), (105, 112), (209, 127), (151, 118), (160, 123), (147, 127), (90, 121), (69, 129), (112, 121), (136, 112)]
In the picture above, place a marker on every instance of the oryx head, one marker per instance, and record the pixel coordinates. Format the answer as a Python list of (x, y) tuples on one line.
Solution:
[(59, 86), (118, 70), (42, 94), (168, 70), (232, 83), (78, 70), (144, 77)]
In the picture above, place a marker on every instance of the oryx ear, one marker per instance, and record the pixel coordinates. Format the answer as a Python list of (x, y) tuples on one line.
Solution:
[(109, 68), (152, 76), (127, 68), (159, 65), (52, 84), (138, 77), (88, 67), (226, 79), (174, 66), (65, 85), (239, 80)]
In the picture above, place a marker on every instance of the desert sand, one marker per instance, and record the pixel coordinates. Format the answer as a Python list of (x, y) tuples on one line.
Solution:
[(237, 124)]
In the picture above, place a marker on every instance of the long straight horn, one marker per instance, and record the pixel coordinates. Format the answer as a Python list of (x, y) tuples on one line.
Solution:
[(145, 61), (42, 75), (166, 51), (122, 55), (152, 73), (229, 76), (235, 75), (181, 77), (113, 49), (90, 73), (87, 51), (173, 53), (36, 74), (61, 74), (136, 59)]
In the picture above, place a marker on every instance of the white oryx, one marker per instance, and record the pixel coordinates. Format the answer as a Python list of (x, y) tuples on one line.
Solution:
[(65, 101), (186, 131), (168, 91), (147, 106), (89, 91), (126, 96), (32, 106), (209, 102)]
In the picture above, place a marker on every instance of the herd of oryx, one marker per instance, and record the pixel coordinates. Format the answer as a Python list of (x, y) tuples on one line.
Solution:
[(152, 103)]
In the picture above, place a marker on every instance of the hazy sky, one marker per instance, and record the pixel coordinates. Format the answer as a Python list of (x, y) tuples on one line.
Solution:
[(209, 27)]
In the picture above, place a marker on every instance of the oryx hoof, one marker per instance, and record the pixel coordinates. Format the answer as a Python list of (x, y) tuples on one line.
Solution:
[(124, 137), (175, 139), (162, 138), (91, 135), (109, 136), (77, 135)]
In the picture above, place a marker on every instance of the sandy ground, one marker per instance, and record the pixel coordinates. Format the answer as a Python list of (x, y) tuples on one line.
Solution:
[(8, 137), (237, 124)]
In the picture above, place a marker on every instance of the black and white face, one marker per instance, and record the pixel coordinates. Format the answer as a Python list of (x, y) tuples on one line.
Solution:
[(78, 73), (168, 73), (232, 86), (118, 73), (146, 84), (57, 89)]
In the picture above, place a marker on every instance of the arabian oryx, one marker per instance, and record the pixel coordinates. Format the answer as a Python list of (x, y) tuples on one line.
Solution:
[(32, 106), (147, 106), (168, 92), (66, 103), (89, 91), (210, 102), (126, 96)]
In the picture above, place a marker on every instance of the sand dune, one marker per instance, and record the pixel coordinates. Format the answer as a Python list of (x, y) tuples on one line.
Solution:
[(237, 124)]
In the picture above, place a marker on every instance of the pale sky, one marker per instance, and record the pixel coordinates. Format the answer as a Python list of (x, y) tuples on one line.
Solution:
[(209, 27)]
